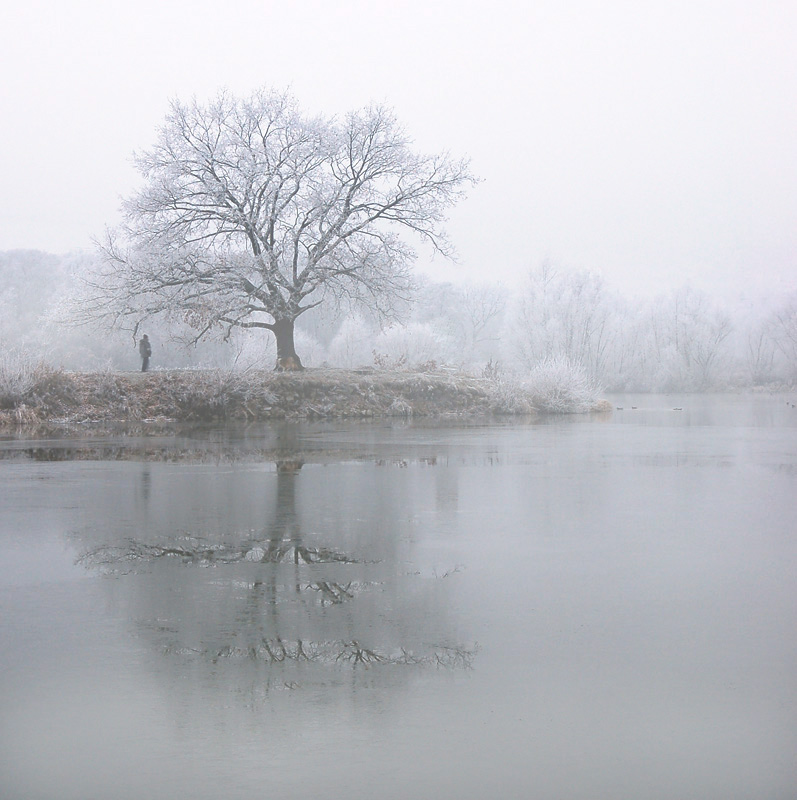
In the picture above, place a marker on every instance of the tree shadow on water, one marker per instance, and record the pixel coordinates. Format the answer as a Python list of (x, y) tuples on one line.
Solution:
[(279, 599)]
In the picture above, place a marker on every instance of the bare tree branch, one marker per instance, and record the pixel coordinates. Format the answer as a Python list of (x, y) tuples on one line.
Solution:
[(251, 213)]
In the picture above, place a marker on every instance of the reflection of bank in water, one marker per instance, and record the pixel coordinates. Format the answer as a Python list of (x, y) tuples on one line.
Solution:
[(273, 598)]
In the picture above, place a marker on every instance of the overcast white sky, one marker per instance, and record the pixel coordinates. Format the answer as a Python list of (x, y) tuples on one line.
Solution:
[(654, 142)]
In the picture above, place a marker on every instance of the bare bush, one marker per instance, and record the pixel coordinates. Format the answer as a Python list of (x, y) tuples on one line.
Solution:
[(558, 385), (406, 346), (492, 370), (510, 397), (19, 374), (351, 346)]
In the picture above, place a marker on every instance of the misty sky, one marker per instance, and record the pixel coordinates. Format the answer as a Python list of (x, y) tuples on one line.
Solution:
[(654, 142)]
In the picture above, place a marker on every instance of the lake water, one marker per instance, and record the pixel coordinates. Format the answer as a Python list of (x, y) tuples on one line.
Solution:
[(591, 607)]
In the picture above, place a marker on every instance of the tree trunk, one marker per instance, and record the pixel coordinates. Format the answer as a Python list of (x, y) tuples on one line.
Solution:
[(287, 359)]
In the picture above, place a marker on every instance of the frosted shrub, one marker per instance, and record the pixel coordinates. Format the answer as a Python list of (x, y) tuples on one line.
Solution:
[(508, 396), (352, 345), (413, 344), (19, 374), (560, 386)]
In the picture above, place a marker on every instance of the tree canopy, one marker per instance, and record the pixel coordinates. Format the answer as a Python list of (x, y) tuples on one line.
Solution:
[(252, 212)]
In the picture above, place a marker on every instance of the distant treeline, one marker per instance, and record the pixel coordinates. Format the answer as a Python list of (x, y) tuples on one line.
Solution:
[(683, 341)]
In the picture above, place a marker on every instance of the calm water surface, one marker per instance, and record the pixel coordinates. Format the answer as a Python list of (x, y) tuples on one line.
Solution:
[(593, 607)]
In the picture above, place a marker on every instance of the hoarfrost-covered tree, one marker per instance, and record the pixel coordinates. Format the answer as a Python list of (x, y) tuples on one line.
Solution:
[(253, 212), (349, 347), (759, 354), (563, 314), (468, 315), (415, 344), (753, 346), (687, 336), (783, 330)]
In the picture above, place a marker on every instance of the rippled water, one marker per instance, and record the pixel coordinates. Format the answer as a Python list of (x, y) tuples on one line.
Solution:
[(591, 607)]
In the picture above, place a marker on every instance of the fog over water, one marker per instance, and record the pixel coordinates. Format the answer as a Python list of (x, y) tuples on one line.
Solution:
[(587, 607)]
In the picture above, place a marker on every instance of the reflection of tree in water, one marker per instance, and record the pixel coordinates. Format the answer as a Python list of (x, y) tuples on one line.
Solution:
[(281, 600)]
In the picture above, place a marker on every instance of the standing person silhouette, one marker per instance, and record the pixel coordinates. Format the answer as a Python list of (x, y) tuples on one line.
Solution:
[(145, 349)]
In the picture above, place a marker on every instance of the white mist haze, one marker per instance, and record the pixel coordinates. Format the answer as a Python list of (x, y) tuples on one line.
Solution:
[(652, 144), (560, 319)]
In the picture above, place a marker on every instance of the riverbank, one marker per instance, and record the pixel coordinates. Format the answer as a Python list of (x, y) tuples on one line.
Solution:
[(68, 398)]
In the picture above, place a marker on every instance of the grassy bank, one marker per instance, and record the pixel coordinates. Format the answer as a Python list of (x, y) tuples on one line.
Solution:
[(54, 396), (49, 396)]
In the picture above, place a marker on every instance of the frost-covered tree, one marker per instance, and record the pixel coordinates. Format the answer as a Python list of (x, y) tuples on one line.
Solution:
[(759, 354), (253, 212), (468, 315), (753, 348), (782, 328), (415, 344), (352, 344), (30, 281), (686, 341), (565, 314)]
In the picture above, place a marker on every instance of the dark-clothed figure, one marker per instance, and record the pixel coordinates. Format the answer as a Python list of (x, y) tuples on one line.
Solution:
[(145, 350)]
